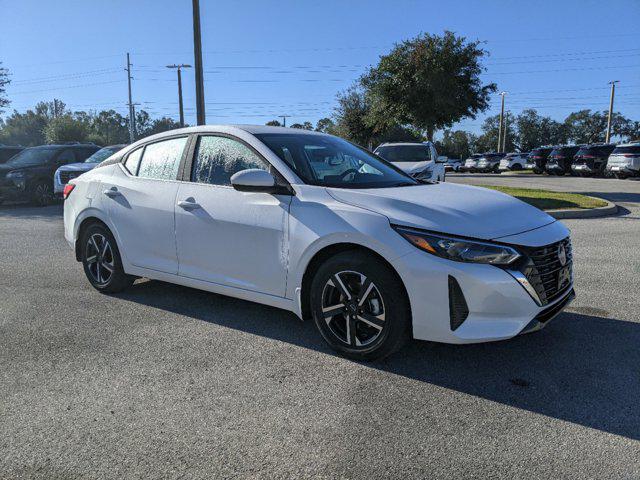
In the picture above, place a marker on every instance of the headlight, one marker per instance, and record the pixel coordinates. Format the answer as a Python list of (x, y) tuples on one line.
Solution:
[(15, 174), (459, 249)]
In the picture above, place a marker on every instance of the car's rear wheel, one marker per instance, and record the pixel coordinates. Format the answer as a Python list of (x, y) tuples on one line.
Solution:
[(42, 193), (101, 260), (360, 306)]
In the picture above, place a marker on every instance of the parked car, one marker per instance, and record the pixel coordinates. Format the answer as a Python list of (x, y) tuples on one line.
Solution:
[(471, 163), (8, 151), (420, 160), (73, 170), (29, 175), (514, 161), (591, 159), (624, 161), (538, 158), (560, 159), (452, 165), (315, 225), (489, 162)]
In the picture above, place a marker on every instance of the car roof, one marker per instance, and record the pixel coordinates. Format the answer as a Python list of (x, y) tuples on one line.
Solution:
[(402, 144)]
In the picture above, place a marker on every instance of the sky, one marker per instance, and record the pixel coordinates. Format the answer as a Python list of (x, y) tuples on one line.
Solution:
[(267, 58)]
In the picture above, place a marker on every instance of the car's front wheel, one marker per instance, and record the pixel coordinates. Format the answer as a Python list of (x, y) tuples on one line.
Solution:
[(42, 193), (360, 306), (101, 260)]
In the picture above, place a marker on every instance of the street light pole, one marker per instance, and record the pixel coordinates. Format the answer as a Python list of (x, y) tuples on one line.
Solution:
[(502, 94), (132, 116), (197, 53), (179, 68), (613, 92)]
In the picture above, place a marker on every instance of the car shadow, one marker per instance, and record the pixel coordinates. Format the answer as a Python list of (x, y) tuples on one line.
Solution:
[(583, 368), (28, 211)]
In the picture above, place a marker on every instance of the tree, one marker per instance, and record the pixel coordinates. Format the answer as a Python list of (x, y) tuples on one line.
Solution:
[(429, 82), (488, 141), (585, 126), (24, 129), (303, 126), (535, 130), (350, 117), (109, 128), (456, 144), (273, 123), (4, 81), (160, 125), (66, 128), (325, 125)]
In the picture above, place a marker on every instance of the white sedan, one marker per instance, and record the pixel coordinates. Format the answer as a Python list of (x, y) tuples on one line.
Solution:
[(310, 223)]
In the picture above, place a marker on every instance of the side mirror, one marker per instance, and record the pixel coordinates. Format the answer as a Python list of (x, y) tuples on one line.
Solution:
[(256, 180), (442, 159)]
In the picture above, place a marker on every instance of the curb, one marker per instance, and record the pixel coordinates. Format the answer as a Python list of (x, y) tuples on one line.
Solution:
[(609, 209)]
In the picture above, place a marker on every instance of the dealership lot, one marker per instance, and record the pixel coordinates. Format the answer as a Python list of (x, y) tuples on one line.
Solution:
[(166, 381)]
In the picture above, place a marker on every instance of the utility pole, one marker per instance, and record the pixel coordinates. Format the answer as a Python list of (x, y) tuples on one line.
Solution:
[(284, 119), (132, 116), (179, 68), (197, 53), (613, 92), (502, 94)]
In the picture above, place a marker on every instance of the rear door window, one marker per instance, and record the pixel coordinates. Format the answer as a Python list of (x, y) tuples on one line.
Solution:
[(161, 160), (67, 156)]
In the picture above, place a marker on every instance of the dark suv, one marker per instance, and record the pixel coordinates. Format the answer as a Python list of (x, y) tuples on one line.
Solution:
[(592, 159), (7, 152), (538, 157), (560, 159), (29, 175)]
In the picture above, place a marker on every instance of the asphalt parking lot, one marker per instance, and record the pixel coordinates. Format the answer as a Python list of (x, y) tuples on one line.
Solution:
[(168, 382)]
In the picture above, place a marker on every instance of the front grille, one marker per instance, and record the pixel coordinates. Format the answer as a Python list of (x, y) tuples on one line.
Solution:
[(66, 176), (545, 271)]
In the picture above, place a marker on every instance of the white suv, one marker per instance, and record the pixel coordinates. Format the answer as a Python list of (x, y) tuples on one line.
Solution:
[(624, 161), (514, 161), (315, 225), (420, 160)]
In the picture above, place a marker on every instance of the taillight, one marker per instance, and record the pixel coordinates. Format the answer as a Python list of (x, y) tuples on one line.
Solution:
[(68, 188), (630, 154), (587, 156)]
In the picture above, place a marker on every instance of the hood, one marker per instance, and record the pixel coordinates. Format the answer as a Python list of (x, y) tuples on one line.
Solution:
[(449, 208), (413, 167), (78, 167)]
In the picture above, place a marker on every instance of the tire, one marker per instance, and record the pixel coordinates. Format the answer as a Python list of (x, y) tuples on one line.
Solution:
[(375, 292), (516, 166), (41, 193), (103, 265)]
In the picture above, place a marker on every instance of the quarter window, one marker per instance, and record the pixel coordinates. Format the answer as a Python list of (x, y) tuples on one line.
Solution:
[(218, 158), (161, 160), (133, 161)]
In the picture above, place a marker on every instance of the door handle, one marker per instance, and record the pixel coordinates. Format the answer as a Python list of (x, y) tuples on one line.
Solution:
[(112, 192), (187, 205)]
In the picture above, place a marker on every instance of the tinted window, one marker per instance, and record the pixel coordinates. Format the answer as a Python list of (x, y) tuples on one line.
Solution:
[(596, 150), (161, 160), (133, 161), (33, 156), (405, 153), (103, 154), (218, 158), (332, 162), (67, 156), (630, 149), (7, 153)]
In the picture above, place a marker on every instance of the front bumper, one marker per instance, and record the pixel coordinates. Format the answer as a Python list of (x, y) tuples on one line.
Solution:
[(13, 192), (498, 306)]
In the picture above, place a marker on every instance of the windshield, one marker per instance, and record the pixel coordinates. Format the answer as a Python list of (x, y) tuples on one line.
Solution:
[(332, 162), (32, 156), (404, 153), (102, 154)]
